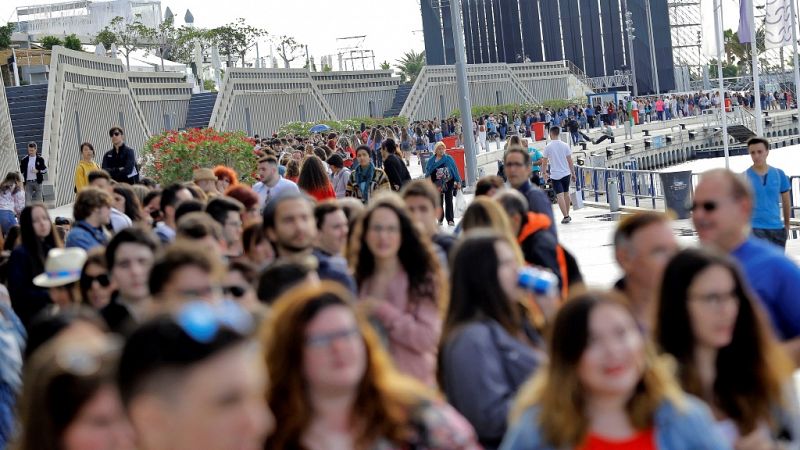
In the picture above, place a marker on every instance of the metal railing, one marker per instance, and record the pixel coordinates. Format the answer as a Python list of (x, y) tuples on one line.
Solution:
[(643, 188)]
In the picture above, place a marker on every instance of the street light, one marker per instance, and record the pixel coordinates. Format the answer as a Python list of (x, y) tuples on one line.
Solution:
[(629, 31)]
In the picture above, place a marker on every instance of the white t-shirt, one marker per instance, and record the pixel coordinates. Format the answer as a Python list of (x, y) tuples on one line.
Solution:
[(31, 176), (556, 153)]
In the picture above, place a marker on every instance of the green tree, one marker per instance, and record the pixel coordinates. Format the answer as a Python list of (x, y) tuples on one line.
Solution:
[(209, 86), (48, 42), (72, 42), (128, 36), (327, 68), (182, 48), (410, 65), (288, 49), (5, 35), (236, 38), (161, 39), (105, 37), (728, 70), (385, 65)]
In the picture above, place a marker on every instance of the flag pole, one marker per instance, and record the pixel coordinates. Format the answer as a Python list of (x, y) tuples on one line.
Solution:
[(756, 76), (794, 53), (720, 46)]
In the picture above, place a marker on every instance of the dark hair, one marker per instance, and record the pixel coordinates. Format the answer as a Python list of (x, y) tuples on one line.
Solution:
[(526, 157), (248, 271), (336, 161), (243, 194), (45, 327), (174, 258), (416, 253), (130, 235), (95, 174), (269, 159), (198, 225), (487, 183), (513, 202), (555, 130), (97, 257), (160, 352), (632, 224), (390, 146), (56, 388), (422, 188), (148, 182), (272, 207), (219, 207), (751, 369), (312, 175), (321, 153), (475, 290), (12, 238), (113, 129), (151, 195), (37, 248), (282, 276), (322, 209), (758, 140), (133, 208), (32, 144), (89, 200), (188, 207), (86, 144), (363, 148), (169, 195)]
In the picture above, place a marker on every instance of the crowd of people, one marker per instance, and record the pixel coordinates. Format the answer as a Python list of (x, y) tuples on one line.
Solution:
[(337, 312)]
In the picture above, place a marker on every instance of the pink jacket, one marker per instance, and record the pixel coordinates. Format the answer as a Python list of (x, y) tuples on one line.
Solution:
[(413, 331)]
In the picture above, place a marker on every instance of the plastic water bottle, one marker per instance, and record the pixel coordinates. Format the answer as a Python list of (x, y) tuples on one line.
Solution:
[(538, 281)]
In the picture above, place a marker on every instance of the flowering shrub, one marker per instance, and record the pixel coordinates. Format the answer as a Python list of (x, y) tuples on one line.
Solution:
[(173, 155), (301, 129)]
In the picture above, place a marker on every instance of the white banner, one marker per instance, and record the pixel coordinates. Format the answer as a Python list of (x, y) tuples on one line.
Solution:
[(778, 23), (708, 37)]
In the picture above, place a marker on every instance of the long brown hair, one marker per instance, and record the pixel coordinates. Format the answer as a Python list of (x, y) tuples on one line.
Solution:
[(751, 370), (557, 391), (416, 252), (384, 398), (312, 176)]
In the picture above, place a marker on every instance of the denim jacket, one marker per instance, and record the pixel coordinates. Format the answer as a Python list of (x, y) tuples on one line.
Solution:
[(86, 236), (686, 427)]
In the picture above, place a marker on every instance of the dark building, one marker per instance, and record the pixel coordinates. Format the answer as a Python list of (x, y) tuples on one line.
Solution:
[(589, 33)]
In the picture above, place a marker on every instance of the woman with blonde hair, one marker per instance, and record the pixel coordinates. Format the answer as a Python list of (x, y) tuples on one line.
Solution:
[(605, 388), (12, 201), (333, 387)]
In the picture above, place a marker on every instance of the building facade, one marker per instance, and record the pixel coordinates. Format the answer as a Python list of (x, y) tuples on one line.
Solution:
[(589, 33)]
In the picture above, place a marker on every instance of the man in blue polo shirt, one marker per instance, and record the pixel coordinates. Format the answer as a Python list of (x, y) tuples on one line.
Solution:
[(770, 188), (721, 213)]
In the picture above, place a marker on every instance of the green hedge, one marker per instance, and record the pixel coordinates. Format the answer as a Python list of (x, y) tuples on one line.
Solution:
[(339, 126)]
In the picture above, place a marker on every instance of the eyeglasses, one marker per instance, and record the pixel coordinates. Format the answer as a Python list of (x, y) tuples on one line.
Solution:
[(326, 339), (87, 281), (202, 321), (707, 206), (234, 291)]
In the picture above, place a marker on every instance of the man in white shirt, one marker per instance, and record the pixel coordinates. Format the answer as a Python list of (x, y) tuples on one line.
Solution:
[(272, 183), (558, 156)]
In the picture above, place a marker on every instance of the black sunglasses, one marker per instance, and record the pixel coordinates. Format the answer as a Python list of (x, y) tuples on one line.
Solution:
[(234, 291), (707, 206), (87, 281)]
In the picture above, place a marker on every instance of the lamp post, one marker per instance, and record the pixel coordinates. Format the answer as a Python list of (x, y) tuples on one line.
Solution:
[(629, 31)]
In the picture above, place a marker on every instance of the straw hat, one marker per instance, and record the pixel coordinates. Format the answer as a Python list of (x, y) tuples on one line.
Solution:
[(63, 266), (204, 175)]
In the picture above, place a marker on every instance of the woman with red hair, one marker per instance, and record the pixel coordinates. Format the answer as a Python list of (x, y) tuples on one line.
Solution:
[(248, 198), (226, 177)]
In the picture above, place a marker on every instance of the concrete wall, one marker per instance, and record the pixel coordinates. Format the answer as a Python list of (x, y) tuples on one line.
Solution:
[(8, 151), (87, 95)]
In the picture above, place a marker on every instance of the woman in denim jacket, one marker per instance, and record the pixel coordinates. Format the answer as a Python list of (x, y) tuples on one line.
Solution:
[(604, 388)]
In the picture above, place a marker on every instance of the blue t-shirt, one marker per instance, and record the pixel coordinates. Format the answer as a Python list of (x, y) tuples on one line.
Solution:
[(536, 155), (774, 279), (767, 192)]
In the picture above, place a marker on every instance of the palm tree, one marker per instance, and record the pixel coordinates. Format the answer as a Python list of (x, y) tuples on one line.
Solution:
[(410, 65)]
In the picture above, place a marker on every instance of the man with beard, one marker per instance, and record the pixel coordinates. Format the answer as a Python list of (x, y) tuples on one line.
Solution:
[(290, 226)]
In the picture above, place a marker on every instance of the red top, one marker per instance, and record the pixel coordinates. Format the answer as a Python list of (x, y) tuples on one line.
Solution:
[(643, 440), (323, 194)]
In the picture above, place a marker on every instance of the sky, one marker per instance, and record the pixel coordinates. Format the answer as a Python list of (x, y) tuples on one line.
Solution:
[(392, 27)]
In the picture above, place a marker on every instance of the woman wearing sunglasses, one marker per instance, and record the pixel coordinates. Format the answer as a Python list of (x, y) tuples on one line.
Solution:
[(95, 283), (726, 352), (69, 399), (333, 387)]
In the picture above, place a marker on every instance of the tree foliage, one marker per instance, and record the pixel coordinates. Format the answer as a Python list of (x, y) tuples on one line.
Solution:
[(235, 39), (385, 65), (288, 49), (410, 65), (73, 42), (48, 42), (5, 35), (128, 36), (105, 37)]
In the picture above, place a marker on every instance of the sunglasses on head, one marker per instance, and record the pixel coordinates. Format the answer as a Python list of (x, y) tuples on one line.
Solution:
[(706, 206), (87, 281)]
